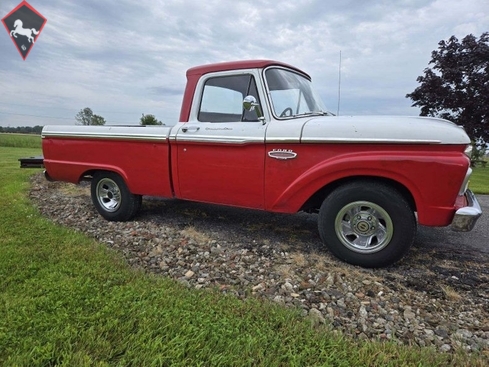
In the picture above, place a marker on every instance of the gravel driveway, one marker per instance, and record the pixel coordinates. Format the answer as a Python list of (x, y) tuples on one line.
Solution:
[(436, 296)]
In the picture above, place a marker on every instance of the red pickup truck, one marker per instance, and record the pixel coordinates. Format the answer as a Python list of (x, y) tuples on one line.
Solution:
[(254, 134)]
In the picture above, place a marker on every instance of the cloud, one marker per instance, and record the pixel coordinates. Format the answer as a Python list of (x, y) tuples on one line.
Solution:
[(123, 58)]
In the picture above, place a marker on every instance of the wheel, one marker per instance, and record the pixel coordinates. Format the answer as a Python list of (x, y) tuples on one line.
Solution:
[(367, 223), (112, 198)]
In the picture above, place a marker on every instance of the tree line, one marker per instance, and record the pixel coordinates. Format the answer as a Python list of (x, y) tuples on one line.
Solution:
[(22, 129), (86, 117)]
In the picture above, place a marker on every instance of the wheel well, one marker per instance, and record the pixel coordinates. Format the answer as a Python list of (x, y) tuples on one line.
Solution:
[(313, 204), (88, 175)]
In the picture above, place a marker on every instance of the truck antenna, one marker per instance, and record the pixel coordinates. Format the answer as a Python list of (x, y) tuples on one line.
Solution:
[(339, 87)]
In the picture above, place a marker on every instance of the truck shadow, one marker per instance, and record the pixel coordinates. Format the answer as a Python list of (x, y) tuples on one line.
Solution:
[(296, 231)]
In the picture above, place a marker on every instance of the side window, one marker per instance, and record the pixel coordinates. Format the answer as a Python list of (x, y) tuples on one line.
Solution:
[(222, 99)]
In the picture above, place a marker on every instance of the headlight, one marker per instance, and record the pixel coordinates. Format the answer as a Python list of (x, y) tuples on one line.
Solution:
[(468, 151)]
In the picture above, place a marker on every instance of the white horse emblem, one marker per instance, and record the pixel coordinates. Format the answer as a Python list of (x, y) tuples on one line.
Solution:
[(23, 31)]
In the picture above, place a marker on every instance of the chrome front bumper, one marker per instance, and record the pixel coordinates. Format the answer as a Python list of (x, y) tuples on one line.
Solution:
[(466, 217)]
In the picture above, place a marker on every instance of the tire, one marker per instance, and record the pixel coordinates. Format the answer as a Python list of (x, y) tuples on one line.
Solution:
[(112, 198), (367, 223)]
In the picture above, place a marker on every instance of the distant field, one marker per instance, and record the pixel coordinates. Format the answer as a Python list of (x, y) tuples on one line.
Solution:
[(20, 140)]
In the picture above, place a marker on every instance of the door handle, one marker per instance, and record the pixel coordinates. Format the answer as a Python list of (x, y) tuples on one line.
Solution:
[(191, 129)]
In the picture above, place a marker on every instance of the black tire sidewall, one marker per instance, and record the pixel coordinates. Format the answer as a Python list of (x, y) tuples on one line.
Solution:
[(390, 200)]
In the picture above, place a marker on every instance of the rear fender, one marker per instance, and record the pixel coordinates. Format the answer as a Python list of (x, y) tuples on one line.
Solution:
[(76, 172)]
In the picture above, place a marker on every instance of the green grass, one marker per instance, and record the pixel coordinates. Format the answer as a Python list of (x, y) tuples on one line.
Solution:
[(20, 140), (479, 181), (66, 300)]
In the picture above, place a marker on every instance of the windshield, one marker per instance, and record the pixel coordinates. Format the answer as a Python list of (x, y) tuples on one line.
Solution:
[(292, 94)]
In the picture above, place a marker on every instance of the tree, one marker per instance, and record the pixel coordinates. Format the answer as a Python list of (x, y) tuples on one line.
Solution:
[(456, 88), (87, 117), (149, 120), (97, 120), (22, 129)]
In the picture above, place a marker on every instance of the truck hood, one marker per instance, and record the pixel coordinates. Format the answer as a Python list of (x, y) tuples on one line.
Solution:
[(382, 129)]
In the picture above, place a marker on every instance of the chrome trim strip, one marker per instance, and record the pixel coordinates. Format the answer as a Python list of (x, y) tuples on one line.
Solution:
[(227, 139), (111, 136), (368, 140), (220, 140), (291, 140)]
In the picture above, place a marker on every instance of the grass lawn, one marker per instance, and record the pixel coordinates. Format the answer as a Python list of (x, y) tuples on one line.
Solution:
[(479, 181), (66, 300)]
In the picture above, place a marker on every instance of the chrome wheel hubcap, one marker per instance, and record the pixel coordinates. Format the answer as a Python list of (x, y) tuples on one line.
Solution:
[(108, 194), (364, 227)]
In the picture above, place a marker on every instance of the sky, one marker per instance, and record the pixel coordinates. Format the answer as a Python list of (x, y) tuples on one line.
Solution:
[(125, 58)]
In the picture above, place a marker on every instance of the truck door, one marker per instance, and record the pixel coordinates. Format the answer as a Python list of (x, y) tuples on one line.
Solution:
[(220, 152)]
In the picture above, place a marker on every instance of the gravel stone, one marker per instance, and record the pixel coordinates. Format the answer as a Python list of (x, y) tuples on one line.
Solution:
[(430, 298)]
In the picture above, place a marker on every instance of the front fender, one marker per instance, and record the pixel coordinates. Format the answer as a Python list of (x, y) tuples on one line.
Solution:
[(432, 179)]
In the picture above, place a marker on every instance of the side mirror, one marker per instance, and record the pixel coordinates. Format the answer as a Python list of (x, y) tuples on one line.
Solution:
[(250, 104)]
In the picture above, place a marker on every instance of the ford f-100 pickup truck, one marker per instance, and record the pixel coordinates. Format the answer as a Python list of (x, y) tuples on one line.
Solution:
[(254, 134)]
